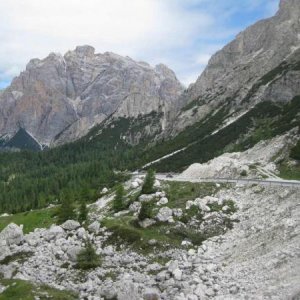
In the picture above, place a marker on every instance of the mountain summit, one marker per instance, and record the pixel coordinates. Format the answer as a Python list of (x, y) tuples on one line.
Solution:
[(58, 99)]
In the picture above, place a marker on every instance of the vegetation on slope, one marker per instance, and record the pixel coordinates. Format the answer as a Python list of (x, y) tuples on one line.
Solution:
[(31, 180), (42, 218), (264, 121), (20, 289)]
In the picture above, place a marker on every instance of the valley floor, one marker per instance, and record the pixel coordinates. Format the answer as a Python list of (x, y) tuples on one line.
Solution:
[(256, 257)]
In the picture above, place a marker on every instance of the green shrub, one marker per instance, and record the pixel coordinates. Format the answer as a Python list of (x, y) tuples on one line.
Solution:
[(145, 211), (244, 173), (66, 210), (83, 213), (295, 152), (87, 258), (149, 183), (118, 202), (127, 234)]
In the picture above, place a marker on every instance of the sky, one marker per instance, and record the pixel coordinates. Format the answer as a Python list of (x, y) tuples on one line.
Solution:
[(182, 34)]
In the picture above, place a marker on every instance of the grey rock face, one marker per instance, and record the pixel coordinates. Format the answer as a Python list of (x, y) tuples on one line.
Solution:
[(234, 74), (59, 98)]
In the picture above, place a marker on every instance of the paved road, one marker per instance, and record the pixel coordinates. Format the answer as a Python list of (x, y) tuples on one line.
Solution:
[(270, 182)]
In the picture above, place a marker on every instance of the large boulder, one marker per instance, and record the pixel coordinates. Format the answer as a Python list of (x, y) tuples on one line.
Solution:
[(54, 232), (70, 225), (12, 234)]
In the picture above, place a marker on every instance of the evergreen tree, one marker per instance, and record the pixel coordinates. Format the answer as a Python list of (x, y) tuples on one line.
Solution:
[(83, 212), (88, 258), (118, 202), (145, 211), (149, 182), (66, 210)]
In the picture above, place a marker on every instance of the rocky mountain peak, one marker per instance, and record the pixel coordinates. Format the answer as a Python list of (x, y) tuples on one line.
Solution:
[(62, 97), (289, 8), (85, 50), (165, 71)]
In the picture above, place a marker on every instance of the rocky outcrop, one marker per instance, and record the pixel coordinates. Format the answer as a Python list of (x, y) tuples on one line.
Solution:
[(250, 69), (58, 99)]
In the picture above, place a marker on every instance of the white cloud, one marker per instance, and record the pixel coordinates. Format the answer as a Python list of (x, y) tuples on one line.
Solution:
[(203, 59), (150, 30)]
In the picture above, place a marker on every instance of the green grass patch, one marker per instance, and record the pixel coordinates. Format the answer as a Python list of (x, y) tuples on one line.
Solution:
[(20, 257), (179, 193), (290, 172), (24, 290), (124, 230), (42, 218)]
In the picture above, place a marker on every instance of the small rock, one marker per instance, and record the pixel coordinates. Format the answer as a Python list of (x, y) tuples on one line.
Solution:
[(152, 242), (192, 252), (172, 265), (81, 233), (147, 223), (156, 183), (104, 190), (164, 214), (94, 227), (177, 212), (73, 252), (135, 206), (134, 185), (151, 294), (162, 201), (146, 198), (210, 292), (177, 273)]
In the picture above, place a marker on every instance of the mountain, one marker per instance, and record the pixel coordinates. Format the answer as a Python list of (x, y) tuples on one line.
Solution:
[(58, 99), (250, 91), (260, 64)]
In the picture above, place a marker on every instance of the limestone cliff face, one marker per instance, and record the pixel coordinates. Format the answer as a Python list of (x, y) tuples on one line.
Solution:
[(58, 99), (234, 74)]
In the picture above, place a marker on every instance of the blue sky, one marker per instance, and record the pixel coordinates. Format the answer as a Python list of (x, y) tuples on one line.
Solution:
[(183, 34)]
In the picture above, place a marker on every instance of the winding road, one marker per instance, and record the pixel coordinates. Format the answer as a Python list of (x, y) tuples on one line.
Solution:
[(267, 182)]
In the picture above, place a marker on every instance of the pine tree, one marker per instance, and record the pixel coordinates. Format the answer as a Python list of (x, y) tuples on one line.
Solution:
[(145, 211), (118, 202), (66, 210), (83, 212), (149, 182), (88, 258)]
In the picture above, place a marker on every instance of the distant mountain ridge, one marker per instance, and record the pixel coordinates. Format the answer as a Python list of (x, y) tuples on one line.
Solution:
[(60, 98)]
